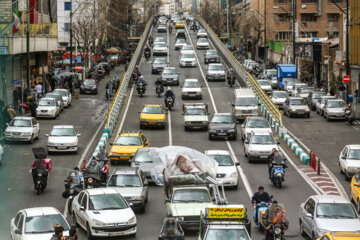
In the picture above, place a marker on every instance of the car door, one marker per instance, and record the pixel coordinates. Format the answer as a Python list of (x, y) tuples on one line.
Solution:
[(20, 227), (308, 221), (36, 127), (145, 184), (342, 158), (286, 105), (14, 225), (84, 206), (76, 204)]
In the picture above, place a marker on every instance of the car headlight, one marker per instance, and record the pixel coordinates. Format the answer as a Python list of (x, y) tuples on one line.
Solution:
[(7, 133), (73, 144), (137, 198), (143, 120), (131, 220), (205, 122), (180, 218), (307, 110), (234, 174), (98, 223), (321, 231), (51, 144), (293, 110), (27, 133), (114, 154), (231, 130), (253, 152)]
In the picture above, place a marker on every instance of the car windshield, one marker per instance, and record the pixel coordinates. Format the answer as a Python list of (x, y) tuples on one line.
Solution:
[(180, 41), (202, 31), (188, 55), (169, 72), (195, 111), (354, 154), (143, 156), (262, 139), (160, 60), (336, 104), (212, 53), (44, 223), (223, 160), (246, 101), (56, 96), (194, 195), (306, 90), (160, 45), (298, 102), (191, 84), (322, 100), (20, 123), (216, 67), (187, 48), (317, 95), (203, 40), (300, 86), (222, 119), (89, 82), (280, 94), (335, 210), (128, 141), (107, 202), (124, 180), (62, 132), (159, 39), (271, 72), (46, 103), (226, 233), (292, 81), (257, 124), (152, 110), (264, 83), (62, 93)]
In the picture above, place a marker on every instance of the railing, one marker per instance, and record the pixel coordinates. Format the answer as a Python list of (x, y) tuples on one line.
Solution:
[(46, 30), (246, 78)]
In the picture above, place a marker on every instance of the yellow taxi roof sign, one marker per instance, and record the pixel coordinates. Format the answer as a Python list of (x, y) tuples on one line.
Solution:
[(228, 211)]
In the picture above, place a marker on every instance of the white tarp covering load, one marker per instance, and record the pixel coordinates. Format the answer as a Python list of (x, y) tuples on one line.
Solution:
[(181, 165)]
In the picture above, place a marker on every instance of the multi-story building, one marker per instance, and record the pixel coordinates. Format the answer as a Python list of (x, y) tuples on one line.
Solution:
[(355, 45), (168, 8)]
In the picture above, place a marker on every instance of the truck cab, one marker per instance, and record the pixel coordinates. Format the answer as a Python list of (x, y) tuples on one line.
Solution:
[(225, 222), (195, 116), (285, 72)]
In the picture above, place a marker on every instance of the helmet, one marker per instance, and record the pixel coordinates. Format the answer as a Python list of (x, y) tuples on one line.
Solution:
[(141, 77)]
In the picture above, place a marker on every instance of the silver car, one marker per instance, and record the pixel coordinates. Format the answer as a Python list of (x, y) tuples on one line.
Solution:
[(215, 71), (312, 99), (191, 89), (320, 214), (279, 98), (180, 43), (265, 85), (335, 109), (254, 124), (202, 43), (145, 161), (321, 103), (160, 49), (202, 33), (296, 107), (158, 65)]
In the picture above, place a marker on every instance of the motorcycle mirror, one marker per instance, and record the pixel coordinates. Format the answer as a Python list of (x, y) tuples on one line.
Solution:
[(278, 143), (237, 164)]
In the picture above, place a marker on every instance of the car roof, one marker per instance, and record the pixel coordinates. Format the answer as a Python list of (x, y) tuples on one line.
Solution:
[(126, 170), (326, 96), (215, 64), (217, 152), (256, 118), (279, 91), (329, 199), (346, 234), (63, 126), (353, 146), (129, 134), (60, 89), (40, 211), (23, 118), (47, 99), (261, 133), (335, 100), (147, 149), (191, 80), (101, 191), (218, 114), (152, 105), (54, 93), (169, 68), (187, 51)]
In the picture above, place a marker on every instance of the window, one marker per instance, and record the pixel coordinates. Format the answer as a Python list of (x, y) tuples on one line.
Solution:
[(281, 17), (308, 17), (310, 206), (67, 27), (309, 34), (309, 1), (333, 17), (84, 202), (21, 223), (67, 6), (334, 34), (283, 36), (80, 197), (17, 218)]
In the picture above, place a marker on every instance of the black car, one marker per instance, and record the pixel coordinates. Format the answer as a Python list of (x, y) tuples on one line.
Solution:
[(88, 86), (180, 33), (211, 56), (222, 125), (170, 76)]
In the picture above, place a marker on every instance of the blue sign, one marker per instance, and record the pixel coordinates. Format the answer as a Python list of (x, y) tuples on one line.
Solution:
[(3, 51), (78, 58), (16, 82)]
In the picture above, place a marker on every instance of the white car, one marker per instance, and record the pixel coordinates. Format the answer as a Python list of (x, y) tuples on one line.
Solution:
[(258, 146), (279, 98), (227, 172), (1, 155), (180, 43), (66, 96), (103, 212), (47, 108), (187, 59), (320, 104), (295, 88), (23, 129), (187, 48), (63, 138), (265, 86), (191, 89), (160, 49), (202, 43), (202, 33), (254, 124), (37, 224), (349, 160), (160, 40)]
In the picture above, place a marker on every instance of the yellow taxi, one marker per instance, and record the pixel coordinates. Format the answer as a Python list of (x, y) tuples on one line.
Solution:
[(340, 236), (125, 146), (355, 190), (179, 24), (152, 115)]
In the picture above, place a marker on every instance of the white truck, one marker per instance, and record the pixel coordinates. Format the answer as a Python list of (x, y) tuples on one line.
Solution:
[(196, 116)]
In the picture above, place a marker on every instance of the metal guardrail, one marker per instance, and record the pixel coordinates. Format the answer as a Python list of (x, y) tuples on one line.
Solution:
[(246, 78)]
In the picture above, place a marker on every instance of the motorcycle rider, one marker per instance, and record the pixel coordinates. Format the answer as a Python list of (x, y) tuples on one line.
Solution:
[(231, 74), (275, 159), (142, 81), (105, 171), (147, 52), (159, 83), (136, 72), (94, 167), (171, 94), (275, 214), (170, 28), (151, 40), (258, 197), (77, 177), (58, 235)]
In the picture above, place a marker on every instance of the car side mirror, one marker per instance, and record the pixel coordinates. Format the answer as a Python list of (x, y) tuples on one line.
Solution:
[(46, 135), (79, 135), (246, 142), (7, 124), (82, 208), (167, 200), (237, 164), (17, 231), (309, 215), (233, 105)]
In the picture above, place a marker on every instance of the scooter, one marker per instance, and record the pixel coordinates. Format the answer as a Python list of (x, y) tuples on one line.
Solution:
[(141, 89), (169, 103), (277, 175), (107, 94), (71, 190), (231, 80), (40, 179), (159, 89), (259, 213)]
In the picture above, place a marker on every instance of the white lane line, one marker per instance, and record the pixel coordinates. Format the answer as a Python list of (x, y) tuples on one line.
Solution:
[(168, 45), (170, 131), (126, 110), (241, 171)]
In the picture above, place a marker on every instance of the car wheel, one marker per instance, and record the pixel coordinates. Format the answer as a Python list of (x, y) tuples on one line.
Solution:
[(88, 232), (142, 210), (235, 187), (141, 126), (302, 231), (347, 178)]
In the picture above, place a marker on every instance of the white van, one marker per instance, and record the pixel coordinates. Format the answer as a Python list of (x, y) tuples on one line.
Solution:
[(244, 103)]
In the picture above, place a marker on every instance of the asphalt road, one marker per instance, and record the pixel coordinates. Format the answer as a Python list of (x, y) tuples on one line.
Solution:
[(86, 114), (294, 191)]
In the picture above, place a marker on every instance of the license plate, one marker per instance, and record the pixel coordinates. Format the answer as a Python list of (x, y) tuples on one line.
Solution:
[(16, 136), (61, 148), (87, 91), (222, 134), (263, 156), (39, 175), (115, 234), (125, 158)]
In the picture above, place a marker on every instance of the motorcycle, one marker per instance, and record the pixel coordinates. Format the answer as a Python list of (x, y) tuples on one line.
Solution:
[(259, 212), (147, 55), (276, 232), (159, 89), (151, 41), (141, 89), (71, 191), (350, 118), (169, 103), (107, 94), (170, 30), (231, 80), (277, 175), (40, 174)]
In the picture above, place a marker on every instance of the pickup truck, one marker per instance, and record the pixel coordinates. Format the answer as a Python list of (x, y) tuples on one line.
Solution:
[(195, 116)]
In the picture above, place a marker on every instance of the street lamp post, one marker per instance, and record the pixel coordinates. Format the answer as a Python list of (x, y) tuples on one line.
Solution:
[(28, 46), (71, 37)]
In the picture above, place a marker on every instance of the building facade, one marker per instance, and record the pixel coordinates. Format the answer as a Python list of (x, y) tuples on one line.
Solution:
[(168, 8), (355, 45)]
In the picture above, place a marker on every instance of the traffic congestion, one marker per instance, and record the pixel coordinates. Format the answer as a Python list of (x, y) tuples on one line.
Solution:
[(192, 156)]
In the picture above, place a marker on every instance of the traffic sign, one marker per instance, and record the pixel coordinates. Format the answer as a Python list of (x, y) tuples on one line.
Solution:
[(346, 79)]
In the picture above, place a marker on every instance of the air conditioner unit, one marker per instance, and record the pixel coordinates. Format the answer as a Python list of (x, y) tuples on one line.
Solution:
[(303, 5)]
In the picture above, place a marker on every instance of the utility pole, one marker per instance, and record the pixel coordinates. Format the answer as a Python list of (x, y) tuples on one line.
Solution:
[(347, 39), (71, 37), (218, 20), (155, 7), (294, 32), (28, 46), (265, 42), (227, 21)]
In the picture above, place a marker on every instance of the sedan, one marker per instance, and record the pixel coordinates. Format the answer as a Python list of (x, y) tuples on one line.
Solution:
[(63, 138), (201, 33), (222, 125), (22, 129), (180, 43), (58, 99), (170, 76), (215, 71), (145, 161), (304, 92), (191, 89), (296, 106), (66, 96), (37, 223), (103, 212), (227, 172), (265, 86), (186, 48), (279, 98), (158, 65), (320, 214), (47, 108), (335, 109), (88, 86), (187, 59), (160, 49), (320, 104), (152, 116), (202, 43), (162, 28), (258, 146), (289, 83), (159, 40), (254, 124), (349, 160), (312, 99), (211, 56)]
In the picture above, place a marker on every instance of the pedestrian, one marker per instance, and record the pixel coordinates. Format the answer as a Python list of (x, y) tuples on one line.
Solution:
[(33, 106), (58, 235), (52, 83), (16, 97), (39, 88)]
